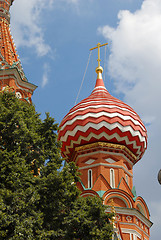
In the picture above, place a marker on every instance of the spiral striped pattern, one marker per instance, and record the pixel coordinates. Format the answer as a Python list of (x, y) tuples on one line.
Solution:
[(101, 117)]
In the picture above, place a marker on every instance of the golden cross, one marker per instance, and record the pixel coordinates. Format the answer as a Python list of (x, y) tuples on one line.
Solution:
[(98, 46)]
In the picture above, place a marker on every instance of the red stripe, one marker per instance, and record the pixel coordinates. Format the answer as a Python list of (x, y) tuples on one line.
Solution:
[(82, 123), (103, 129), (100, 96)]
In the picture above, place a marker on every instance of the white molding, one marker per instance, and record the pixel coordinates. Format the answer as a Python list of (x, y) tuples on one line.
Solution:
[(132, 212), (13, 73), (125, 230), (138, 202), (91, 194), (107, 153), (106, 165), (120, 194), (133, 231)]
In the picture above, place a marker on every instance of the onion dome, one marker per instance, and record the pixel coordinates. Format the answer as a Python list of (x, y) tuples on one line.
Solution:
[(102, 118)]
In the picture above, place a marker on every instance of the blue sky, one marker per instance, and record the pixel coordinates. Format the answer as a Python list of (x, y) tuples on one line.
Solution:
[(53, 38)]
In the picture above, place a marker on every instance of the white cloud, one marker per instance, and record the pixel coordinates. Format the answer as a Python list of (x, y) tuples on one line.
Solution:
[(46, 69), (25, 19), (135, 67), (135, 57)]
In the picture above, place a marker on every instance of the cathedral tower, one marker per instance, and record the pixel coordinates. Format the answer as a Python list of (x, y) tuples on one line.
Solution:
[(11, 72), (105, 138)]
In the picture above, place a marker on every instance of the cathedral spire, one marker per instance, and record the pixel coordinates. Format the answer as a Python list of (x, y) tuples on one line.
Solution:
[(4, 9), (7, 46), (11, 71)]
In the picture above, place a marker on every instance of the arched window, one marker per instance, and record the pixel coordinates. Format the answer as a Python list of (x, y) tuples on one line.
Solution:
[(112, 178), (90, 178), (127, 179)]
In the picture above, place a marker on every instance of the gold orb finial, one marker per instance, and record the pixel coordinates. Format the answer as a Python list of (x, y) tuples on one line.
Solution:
[(99, 71)]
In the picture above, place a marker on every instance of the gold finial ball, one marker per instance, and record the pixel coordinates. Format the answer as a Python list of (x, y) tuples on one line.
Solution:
[(99, 69)]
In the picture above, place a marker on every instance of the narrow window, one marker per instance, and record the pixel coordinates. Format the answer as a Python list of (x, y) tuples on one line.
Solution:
[(127, 179), (89, 178), (112, 178)]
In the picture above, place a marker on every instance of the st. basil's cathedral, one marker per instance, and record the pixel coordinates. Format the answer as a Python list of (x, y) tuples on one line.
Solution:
[(103, 136)]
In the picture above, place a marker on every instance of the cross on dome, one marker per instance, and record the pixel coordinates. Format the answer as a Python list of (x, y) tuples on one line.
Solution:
[(99, 69)]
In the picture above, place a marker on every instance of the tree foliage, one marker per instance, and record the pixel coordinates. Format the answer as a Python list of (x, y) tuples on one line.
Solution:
[(88, 220), (38, 198)]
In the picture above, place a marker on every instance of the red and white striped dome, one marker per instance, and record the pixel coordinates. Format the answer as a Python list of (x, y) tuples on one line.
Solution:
[(102, 118)]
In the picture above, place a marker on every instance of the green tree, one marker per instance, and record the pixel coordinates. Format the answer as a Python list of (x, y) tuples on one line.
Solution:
[(88, 220), (39, 199), (58, 192), (25, 143)]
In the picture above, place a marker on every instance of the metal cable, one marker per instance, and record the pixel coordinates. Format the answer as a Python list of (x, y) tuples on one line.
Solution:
[(83, 77), (104, 75)]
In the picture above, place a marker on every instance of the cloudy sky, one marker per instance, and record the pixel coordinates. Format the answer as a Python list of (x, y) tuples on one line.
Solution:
[(53, 38)]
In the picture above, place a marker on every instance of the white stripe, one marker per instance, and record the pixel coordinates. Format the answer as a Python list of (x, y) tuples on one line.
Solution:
[(97, 126), (99, 90), (103, 99), (99, 114), (103, 134), (98, 106), (100, 87)]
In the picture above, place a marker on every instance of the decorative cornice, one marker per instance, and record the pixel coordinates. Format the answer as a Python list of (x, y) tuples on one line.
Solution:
[(106, 165), (134, 212), (14, 73), (127, 230), (109, 146), (84, 154)]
